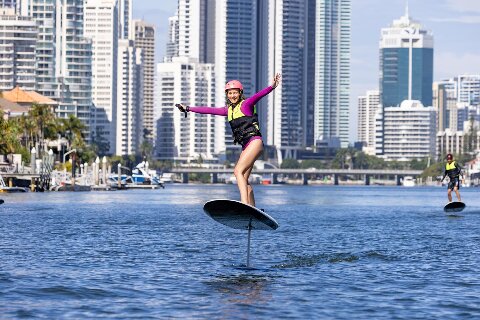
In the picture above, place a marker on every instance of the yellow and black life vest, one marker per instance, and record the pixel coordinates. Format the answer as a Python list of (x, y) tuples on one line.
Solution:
[(243, 126), (452, 169)]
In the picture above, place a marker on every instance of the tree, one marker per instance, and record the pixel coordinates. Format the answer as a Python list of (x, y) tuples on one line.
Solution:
[(344, 159), (313, 163), (44, 121), (146, 149), (290, 164), (72, 128), (470, 139), (9, 133)]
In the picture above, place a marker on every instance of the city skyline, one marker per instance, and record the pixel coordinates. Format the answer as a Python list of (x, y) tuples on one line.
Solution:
[(452, 23)]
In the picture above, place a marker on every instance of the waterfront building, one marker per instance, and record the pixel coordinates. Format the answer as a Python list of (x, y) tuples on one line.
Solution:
[(178, 138), (172, 42), (457, 100), (18, 44), (367, 109), (187, 79), (8, 3), (409, 131), (236, 32), (406, 63), (125, 18), (17, 102), (281, 43), (308, 108), (101, 26), (449, 141), (63, 57), (468, 89), (143, 34), (129, 98), (444, 102), (332, 72), (10, 109)]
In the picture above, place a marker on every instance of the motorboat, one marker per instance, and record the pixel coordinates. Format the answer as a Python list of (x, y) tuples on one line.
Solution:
[(142, 175), (408, 181), (5, 189)]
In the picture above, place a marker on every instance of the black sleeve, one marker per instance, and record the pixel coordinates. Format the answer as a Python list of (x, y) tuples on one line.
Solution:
[(460, 169)]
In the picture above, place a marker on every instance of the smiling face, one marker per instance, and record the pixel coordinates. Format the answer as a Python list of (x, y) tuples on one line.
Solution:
[(233, 95)]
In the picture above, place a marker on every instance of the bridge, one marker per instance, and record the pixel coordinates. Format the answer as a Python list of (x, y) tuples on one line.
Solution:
[(305, 173)]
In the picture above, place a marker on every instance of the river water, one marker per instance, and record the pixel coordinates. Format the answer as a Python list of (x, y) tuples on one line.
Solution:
[(341, 252)]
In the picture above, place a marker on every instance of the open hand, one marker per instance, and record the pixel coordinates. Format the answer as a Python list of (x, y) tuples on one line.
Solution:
[(276, 80)]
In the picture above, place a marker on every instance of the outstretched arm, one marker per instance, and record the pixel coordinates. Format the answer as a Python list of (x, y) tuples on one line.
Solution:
[(248, 104), (222, 111)]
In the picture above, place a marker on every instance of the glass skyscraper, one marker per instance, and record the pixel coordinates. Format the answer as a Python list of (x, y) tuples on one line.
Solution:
[(332, 73), (406, 63)]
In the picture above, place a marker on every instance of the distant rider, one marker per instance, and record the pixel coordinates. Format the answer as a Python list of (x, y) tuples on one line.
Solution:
[(453, 170)]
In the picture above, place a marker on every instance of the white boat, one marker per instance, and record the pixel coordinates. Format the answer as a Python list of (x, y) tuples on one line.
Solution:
[(142, 175), (408, 181), (5, 189)]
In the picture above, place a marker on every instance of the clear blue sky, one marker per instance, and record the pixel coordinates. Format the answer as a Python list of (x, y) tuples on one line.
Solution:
[(455, 25)]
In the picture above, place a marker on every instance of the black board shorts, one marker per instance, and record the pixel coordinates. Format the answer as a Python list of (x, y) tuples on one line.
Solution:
[(454, 182)]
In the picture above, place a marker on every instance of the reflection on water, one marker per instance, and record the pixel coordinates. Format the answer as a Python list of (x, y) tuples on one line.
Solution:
[(244, 289)]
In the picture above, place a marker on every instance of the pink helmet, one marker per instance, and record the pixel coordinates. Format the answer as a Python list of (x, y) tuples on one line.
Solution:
[(234, 84)]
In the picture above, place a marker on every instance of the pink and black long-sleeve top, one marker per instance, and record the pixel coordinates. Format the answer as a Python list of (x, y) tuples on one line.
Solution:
[(247, 112)]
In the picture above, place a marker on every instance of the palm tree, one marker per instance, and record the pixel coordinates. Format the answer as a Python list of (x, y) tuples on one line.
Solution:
[(71, 128), (10, 133), (44, 118)]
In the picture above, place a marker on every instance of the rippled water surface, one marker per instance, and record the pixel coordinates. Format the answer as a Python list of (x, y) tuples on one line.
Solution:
[(340, 252)]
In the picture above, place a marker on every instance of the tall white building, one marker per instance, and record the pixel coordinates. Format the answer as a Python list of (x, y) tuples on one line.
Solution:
[(332, 72), (143, 34), (101, 26), (124, 18), (172, 43), (409, 131), (449, 141), (18, 43), (129, 99), (64, 61), (456, 100), (468, 89), (367, 109), (8, 3), (186, 81), (189, 28)]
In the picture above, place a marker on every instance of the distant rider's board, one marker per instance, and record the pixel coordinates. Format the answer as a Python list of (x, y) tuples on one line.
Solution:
[(454, 206), (238, 215), (1, 201)]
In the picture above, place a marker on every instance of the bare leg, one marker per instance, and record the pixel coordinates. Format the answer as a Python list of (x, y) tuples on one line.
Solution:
[(251, 198), (457, 193), (244, 165), (449, 195)]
